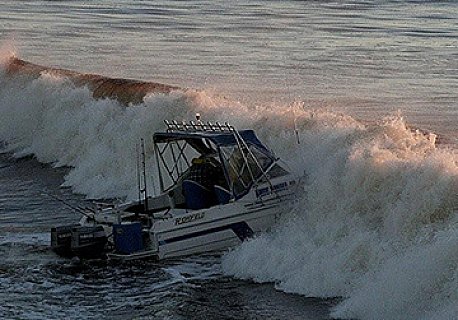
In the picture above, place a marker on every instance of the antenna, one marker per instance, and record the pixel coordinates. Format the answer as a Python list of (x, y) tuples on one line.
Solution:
[(293, 104), (295, 123)]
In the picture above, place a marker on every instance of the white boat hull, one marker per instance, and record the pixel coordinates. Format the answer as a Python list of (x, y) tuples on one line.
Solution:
[(213, 229), (179, 232)]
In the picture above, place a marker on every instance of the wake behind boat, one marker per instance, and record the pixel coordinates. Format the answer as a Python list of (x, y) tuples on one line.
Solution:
[(219, 186)]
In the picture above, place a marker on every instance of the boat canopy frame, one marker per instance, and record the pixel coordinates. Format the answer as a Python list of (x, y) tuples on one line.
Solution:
[(214, 140)]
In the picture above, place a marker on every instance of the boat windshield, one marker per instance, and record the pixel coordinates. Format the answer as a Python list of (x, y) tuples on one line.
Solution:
[(244, 166), (232, 160)]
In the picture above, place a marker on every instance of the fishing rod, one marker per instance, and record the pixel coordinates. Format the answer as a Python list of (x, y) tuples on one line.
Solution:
[(139, 180), (144, 174), (76, 208)]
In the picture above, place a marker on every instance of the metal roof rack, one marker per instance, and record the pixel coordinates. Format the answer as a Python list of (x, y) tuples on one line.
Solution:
[(199, 126)]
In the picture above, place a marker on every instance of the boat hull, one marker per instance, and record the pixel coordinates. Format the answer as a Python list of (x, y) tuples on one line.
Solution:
[(175, 232), (213, 229)]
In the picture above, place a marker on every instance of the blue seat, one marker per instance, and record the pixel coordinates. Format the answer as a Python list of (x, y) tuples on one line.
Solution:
[(197, 196), (223, 196)]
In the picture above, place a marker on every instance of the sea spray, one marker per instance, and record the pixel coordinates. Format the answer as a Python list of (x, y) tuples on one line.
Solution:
[(378, 225), (59, 123)]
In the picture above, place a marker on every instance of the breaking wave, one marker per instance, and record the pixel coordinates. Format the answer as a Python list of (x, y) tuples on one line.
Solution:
[(377, 223)]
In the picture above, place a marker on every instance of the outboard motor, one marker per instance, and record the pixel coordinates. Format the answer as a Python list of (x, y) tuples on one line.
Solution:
[(61, 240), (88, 242)]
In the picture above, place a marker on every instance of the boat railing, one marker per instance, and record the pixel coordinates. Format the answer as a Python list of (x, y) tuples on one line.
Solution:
[(198, 126)]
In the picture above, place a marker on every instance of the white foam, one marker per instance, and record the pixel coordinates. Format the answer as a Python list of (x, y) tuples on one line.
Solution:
[(376, 224)]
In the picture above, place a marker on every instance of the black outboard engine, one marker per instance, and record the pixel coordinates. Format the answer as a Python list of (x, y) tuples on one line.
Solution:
[(89, 242), (81, 241), (61, 240)]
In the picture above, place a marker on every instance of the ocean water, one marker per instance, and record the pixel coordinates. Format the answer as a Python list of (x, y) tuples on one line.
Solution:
[(370, 86)]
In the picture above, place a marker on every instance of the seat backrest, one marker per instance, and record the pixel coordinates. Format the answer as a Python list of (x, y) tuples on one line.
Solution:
[(223, 196), (196, 196)]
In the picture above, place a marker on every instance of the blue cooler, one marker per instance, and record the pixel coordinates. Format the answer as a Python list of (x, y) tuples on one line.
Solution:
[(128, 237)]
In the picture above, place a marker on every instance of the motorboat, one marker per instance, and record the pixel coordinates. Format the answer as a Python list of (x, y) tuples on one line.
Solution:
[(217, 186)]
